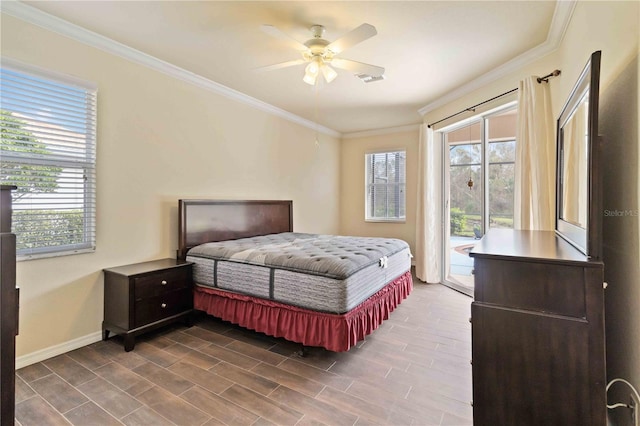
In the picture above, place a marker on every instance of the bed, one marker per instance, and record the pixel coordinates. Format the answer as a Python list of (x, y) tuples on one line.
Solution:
[(252, 270)]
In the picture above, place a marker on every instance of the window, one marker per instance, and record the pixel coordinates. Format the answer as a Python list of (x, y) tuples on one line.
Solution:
[(47, 150), (385, 186)]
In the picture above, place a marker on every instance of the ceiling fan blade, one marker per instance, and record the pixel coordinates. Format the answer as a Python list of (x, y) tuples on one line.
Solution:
[(357, 67), (275, 32), (281, 65), (352, 38)]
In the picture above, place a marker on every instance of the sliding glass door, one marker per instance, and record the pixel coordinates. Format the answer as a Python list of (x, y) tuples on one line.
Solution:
[(479, 158)]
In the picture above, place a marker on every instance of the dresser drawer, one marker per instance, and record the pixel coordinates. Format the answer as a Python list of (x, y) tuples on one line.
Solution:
[(160, 307), (162, 282), (555, 289)]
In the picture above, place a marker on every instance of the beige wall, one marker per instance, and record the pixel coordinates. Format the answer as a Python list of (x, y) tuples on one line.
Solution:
[(619, 126), (352, 190), (159, 139)]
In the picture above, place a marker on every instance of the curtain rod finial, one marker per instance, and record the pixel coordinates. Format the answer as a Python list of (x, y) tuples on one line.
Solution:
[(553, 73)]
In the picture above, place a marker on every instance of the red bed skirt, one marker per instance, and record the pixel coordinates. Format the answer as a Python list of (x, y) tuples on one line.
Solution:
[(335, 332)]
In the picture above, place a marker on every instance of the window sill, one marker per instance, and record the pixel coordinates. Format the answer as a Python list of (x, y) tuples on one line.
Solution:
[(44, 255), (386, 220)]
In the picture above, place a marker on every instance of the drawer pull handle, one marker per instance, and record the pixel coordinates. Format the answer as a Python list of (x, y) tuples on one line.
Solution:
[(164, 282), (164, 305)]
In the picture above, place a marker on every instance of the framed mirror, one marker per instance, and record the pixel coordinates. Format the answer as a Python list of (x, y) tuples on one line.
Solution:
[(578, 174)]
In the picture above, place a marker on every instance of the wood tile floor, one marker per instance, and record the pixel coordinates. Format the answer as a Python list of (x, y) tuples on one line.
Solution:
[(414, 370)]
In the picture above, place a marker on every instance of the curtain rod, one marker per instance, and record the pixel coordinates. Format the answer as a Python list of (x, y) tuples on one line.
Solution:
[(545, 79)]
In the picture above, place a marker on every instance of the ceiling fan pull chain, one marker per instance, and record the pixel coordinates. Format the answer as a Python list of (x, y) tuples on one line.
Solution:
[(315, 113)]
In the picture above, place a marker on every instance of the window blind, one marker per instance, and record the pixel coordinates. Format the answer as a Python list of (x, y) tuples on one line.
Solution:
[(385, 186), (48, 150)]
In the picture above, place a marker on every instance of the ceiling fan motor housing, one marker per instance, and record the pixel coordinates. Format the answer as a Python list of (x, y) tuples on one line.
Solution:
[(317, 45)]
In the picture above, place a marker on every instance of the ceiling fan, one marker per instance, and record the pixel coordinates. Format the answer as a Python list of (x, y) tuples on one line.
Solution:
[(320, 55)]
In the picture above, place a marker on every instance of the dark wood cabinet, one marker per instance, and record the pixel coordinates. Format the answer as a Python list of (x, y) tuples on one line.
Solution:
[(538, 341), (143, 296), (8, 308)]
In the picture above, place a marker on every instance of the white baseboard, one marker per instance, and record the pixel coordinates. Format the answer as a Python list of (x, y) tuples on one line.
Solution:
[(50, 352)]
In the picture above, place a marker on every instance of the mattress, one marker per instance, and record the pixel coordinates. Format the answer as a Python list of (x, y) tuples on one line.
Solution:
[(319, 272)]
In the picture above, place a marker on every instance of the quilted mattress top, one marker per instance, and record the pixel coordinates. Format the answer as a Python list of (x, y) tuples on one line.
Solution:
[(327, 255)]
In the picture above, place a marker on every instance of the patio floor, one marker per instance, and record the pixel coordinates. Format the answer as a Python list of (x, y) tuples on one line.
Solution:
[(460, 264)]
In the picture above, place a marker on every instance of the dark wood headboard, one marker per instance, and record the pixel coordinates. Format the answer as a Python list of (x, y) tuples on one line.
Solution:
[(203, 221)]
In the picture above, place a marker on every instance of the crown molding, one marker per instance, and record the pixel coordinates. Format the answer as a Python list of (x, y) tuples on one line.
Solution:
[(60, 26), (559, 23), (385, 131)]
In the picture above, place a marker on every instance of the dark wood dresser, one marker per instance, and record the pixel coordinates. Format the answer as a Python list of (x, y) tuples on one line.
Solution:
[(143, 296), (9, 297), (538, 342)]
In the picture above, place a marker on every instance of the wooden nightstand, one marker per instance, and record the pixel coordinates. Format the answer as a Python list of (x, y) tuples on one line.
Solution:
[(143, 296)]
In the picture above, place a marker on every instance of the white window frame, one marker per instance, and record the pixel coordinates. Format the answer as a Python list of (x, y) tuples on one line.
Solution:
[(76, 160), (401, 188), (446, 197)]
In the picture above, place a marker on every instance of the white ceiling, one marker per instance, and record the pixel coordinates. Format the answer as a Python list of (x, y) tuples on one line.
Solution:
[(428, 48)]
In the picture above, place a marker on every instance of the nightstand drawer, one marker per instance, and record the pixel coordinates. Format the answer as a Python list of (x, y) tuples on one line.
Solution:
[(160, 307), (161, 283)]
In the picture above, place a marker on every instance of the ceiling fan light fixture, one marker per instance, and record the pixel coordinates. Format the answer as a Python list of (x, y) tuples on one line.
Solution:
[(311, 73), (329, 73), (309, 79)]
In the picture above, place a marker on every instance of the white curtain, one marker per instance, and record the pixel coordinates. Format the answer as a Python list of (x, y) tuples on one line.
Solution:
[(535, 191), (428, 212)]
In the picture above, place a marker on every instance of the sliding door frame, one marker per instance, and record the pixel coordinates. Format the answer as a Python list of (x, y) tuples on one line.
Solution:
[(446, 196)]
